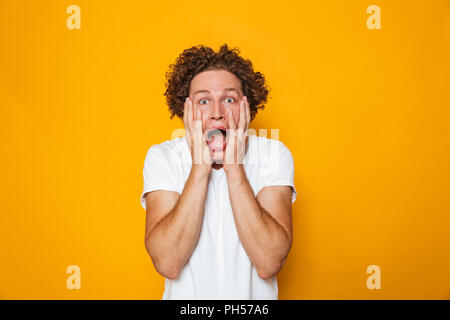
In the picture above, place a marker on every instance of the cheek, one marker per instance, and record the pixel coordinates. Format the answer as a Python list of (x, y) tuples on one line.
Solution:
[(202, 107)]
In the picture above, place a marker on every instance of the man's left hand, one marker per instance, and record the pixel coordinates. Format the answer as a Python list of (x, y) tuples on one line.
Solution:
[(237, 137)]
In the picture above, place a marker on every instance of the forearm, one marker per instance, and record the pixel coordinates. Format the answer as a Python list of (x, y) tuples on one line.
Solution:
[(266, 242), (173, 239)]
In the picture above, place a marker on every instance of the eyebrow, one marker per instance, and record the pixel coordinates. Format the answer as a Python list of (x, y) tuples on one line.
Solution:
[(225, 90)]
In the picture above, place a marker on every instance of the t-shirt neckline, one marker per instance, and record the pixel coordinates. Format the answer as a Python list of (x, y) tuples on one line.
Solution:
[(217, 171)]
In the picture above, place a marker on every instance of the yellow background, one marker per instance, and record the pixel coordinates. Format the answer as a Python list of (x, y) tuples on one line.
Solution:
[(364, 112)]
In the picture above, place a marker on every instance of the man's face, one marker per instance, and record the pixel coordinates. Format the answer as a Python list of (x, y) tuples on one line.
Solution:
[(215, 93)]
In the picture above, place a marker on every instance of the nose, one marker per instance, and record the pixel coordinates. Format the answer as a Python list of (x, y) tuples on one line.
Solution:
[(218, 112)]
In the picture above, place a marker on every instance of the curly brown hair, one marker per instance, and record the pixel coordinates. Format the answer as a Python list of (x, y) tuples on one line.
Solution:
[(201, 58)]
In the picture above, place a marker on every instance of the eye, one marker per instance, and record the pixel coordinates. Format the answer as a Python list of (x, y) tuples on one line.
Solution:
[(227, 100), (203, 101)]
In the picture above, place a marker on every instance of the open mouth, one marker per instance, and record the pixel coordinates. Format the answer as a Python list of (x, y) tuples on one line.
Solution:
[(216, 139)]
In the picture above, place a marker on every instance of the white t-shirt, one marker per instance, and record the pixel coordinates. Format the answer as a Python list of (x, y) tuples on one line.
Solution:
[(219, 267)]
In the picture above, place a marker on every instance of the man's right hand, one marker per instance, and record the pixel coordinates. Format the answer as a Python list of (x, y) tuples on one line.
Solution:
[(200, 153), (174, 221)]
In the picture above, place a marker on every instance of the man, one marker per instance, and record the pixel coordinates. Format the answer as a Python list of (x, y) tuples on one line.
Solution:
[(218, 200)]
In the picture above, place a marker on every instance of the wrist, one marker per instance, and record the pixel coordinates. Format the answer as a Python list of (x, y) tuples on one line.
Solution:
[(201, 170), (234, 171)]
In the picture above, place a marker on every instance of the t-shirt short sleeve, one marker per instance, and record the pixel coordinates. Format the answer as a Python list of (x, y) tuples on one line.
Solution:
[(158, 173), (279, 168)]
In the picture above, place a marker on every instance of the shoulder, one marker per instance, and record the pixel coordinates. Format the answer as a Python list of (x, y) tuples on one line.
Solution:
[(265, 146), (169, 145), (169, 150), (271, 156)]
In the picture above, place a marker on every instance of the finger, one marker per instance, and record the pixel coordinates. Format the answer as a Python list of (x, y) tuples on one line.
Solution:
[(190, 115), (185, 112), (247, 113), (196, 111), (197, 119), (197, 146), (241, 123), (231, 122), (198, 135), (189, 110), (185, 118)]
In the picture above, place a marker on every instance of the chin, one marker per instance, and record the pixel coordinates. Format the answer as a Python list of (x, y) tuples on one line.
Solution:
[(217, 156)]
